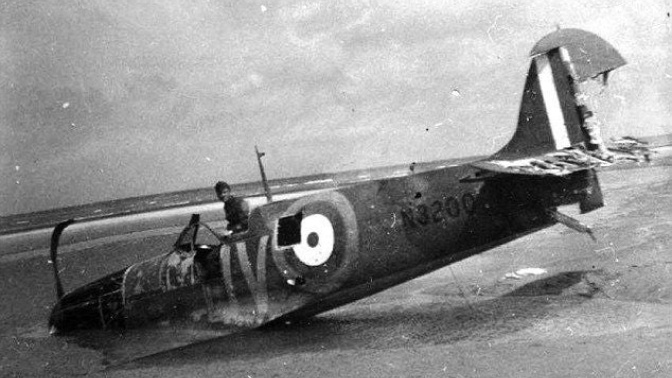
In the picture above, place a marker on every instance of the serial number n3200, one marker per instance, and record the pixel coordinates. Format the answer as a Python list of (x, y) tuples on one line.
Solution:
[(437, 211)]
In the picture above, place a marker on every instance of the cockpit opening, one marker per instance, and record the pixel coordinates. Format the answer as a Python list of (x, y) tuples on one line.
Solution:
[(289, 230)]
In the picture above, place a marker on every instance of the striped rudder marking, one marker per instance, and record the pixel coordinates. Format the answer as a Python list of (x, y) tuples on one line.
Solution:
[(552, 104)]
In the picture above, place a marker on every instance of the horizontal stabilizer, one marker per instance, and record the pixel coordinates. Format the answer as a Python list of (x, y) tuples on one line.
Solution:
[(556, 163)]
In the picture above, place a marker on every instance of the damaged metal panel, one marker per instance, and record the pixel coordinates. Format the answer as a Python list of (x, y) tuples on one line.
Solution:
[(558, 163), (629, 148), (590, 54)]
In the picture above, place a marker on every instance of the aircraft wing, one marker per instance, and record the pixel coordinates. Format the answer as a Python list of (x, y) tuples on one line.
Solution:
[(296, 187)]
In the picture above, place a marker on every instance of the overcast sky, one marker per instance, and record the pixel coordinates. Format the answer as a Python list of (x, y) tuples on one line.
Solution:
[(110, 99)]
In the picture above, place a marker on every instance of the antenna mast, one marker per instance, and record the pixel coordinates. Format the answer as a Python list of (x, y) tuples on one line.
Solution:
[(264, 181)]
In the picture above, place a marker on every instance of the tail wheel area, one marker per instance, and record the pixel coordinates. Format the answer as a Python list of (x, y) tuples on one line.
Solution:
[(316, 242)]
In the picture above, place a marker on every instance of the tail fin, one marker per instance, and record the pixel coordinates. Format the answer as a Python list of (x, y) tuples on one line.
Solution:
[(549, 118), (550, 121)]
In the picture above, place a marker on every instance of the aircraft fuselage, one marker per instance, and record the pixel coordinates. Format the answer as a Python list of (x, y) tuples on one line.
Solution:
[(365, 238)]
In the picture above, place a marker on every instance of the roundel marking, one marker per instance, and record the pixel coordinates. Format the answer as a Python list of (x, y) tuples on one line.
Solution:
[(317, 240), (326, 254)]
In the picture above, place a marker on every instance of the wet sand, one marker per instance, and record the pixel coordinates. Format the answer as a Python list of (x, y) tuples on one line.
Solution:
[(602, 309)]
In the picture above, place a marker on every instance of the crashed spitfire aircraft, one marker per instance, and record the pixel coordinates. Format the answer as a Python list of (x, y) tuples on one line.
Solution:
[(306, 255)]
